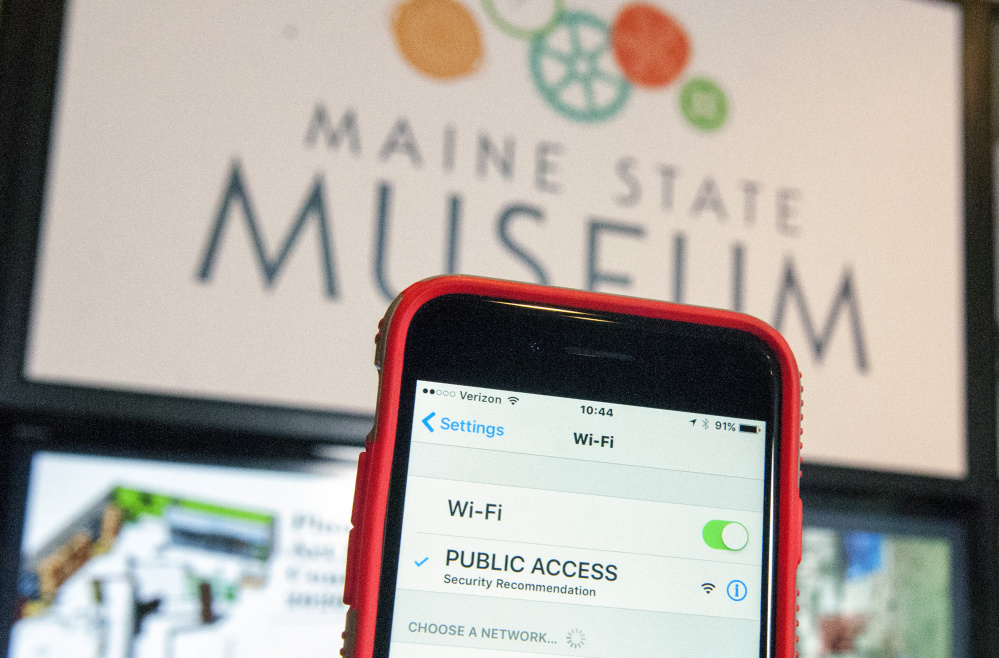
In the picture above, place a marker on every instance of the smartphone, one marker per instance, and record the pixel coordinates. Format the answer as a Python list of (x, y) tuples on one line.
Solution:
[(555, 472)]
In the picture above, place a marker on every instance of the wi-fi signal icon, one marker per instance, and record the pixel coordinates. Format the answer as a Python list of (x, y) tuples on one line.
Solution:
[(708, 587), (513, 400)]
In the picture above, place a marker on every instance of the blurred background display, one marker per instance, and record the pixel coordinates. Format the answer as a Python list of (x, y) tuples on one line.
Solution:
[(125, 558), (229, 209), (875, 588)]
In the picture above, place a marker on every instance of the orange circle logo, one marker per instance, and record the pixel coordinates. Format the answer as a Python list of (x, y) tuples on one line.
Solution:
[(440, 38), (651, 47)]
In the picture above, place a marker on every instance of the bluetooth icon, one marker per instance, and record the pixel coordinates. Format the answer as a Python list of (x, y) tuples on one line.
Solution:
[(705, 423)]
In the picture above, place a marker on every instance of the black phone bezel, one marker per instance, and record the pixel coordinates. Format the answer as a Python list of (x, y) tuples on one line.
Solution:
[(484, 342)]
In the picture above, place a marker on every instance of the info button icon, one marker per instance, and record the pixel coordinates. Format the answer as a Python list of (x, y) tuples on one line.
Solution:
[(725, 535)]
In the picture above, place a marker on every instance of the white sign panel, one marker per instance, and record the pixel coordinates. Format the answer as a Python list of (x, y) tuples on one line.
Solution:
[(237, 191)]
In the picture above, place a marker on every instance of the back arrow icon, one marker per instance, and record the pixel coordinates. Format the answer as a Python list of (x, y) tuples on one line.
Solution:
[(432, 414)]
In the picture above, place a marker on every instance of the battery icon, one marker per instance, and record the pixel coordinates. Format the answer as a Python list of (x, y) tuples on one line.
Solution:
[(752, 429)]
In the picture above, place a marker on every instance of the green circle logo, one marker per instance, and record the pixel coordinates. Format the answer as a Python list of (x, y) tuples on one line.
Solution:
[(573, 70), (704, 104)]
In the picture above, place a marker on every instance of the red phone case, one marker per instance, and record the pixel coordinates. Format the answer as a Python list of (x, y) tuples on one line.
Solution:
[(375, 463)]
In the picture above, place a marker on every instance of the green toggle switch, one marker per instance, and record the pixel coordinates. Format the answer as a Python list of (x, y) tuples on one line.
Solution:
[(725, 535)]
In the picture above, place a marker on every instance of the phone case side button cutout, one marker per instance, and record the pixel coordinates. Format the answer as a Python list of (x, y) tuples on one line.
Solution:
[(353, 539), (380, 336)]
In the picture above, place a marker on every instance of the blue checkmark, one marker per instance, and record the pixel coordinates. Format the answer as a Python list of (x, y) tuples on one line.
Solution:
[(420, 563)]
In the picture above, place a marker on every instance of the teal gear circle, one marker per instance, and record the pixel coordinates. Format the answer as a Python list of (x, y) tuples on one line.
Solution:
[(582, 68), (518, 32)]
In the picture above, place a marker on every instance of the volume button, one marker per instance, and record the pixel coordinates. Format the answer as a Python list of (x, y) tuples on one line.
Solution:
[(360, 484), (383, 326), (350, 574), (349, 634)]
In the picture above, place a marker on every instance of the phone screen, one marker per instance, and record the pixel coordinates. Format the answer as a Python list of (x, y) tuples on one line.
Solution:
[(543, 524)]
